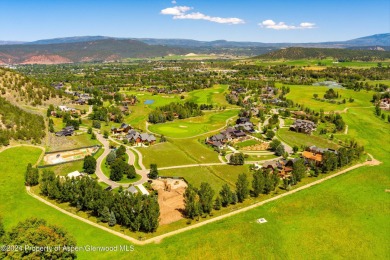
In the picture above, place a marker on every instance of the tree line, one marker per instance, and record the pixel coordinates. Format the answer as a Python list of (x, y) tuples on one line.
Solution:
[(171, 111), (137, 212)]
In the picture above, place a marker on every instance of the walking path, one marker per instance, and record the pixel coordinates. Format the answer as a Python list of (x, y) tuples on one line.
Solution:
[(160, 237)]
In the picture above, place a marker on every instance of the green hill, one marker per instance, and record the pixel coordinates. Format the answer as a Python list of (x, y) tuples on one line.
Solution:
[(99, 50), (298, 53)]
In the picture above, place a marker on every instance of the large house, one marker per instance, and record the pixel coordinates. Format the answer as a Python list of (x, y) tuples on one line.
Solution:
[(67, 131), (134, 136), (283, 167), (124, 128), (315, 154), (219, 140), (303, 126)]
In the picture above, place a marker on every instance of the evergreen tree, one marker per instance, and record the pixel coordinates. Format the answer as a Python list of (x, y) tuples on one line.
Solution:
[(217, 203), (89, 164), (226, 195), (234, 198), (131, 173), (111, 157), (31, 176), (206, 194), (112, 219), (258, 183), (105, 215), (242, 187), (153, 173), (191, 201), (299, 170)]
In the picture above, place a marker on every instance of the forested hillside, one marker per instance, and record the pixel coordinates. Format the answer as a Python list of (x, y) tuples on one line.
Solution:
[(18, 124), (22, 90), (296, 53)]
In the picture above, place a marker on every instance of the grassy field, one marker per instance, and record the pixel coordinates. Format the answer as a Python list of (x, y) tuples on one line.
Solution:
[(214, 96), (247, 143), (303, 94), (193, 126), (293, 138), (186, 151), (216, 175)]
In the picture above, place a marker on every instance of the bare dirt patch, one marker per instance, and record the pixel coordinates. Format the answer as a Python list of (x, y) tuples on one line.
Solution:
[(170, 199), (68, 156)]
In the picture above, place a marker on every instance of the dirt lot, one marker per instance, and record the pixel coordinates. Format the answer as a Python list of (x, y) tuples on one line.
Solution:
[(170, 199), (60, 157)]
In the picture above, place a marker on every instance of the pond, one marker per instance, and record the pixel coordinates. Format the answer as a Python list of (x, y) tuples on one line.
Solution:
[(149, 102)]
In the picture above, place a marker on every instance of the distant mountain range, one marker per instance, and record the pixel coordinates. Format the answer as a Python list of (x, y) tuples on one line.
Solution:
[(103, 48)]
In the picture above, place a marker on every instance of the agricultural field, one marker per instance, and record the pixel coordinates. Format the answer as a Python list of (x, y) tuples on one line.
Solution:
[(194, 126)]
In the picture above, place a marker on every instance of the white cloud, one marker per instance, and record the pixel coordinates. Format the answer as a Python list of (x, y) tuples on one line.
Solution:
[(181, 12), (174, 2), (270, 24), (176, 10)]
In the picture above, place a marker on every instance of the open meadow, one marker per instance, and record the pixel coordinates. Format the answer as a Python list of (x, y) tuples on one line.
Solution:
[(303, 94)]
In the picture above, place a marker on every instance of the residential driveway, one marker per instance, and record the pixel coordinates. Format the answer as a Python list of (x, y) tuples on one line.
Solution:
[(142, 189)]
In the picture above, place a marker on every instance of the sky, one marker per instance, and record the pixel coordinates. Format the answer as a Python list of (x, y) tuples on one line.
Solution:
[(244, 20)]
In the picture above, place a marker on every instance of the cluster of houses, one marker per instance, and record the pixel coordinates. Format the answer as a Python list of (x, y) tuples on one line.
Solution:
[(241, 129), (303, 126), (284, 167), (66, 131), (80, 98), (125, 131)]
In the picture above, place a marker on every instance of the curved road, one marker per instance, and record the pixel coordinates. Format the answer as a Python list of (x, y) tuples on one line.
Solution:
[(102, 177)]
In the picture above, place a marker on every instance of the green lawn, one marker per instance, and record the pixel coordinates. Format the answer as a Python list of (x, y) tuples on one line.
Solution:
[(178, 152), (303, 94), (193, 126), (214, 96), (246, 143), (299, 139)]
